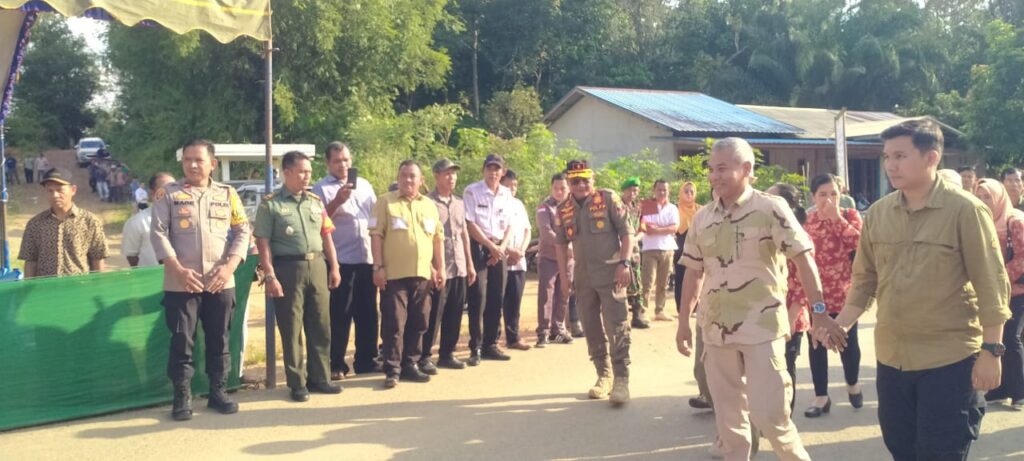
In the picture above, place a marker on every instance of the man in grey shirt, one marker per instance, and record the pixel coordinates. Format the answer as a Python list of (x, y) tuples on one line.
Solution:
[(349, 202)]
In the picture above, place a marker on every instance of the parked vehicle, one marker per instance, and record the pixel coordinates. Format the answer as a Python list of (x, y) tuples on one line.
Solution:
[(86, 150)]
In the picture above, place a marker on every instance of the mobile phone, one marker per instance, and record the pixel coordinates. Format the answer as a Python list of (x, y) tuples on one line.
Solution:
[(353, 174)]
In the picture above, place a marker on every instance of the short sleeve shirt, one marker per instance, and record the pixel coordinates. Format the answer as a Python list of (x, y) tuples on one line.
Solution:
[(409, 227), (487, 209), (135, 238), (742, 250), (294, 223), (452, 213), (667, 215), (520, 231), (63, 247)]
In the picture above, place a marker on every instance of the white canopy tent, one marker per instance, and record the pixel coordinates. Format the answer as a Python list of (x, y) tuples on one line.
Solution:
[(227, 153)]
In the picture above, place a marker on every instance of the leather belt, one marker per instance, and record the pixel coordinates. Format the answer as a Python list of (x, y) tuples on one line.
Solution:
[(302, 257)]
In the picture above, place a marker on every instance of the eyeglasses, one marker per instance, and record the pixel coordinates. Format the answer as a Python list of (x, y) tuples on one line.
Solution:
[(577, 181)]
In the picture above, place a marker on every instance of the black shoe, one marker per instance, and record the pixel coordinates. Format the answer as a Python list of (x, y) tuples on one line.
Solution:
[(640, 324), (375, 368), (542, 342), (700, 403), (413, 373), (300, 395), (814, 412), (493, 353), (577, 330), (857, 400), (428, 367), (474, 358), (562, 338), (993, 397), (324, 388), (219, 400), (447, 361), (391, 381), (181, 410)]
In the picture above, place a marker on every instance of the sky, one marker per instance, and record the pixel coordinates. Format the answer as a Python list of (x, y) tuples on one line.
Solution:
[(91, 30)]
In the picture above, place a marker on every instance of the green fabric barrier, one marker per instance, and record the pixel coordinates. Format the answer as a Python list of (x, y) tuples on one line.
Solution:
[(93, 344)]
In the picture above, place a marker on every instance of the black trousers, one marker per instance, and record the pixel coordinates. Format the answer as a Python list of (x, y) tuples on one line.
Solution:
[(792, 352), (1012, 386), (849, 356), (512, 303), (680, 270), (403, 313), (445, 309), (355, 300), (182, 312), (930, 414), (485, 298)]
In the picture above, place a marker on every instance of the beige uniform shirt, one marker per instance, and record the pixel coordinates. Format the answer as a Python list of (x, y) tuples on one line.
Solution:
[(742, 250), (194, 224), (594, 228), (938, 275)]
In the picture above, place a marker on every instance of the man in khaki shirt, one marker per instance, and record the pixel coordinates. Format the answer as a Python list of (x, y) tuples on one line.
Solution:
[(408, 257), (930, 255), (735, 255)]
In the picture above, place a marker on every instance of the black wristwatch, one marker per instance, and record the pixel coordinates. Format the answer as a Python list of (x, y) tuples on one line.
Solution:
[(995, 349), (625, 263)]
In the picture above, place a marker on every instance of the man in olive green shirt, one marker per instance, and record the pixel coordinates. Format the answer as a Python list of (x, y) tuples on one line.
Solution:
[(408, 256), (293, 235), (930, 255)]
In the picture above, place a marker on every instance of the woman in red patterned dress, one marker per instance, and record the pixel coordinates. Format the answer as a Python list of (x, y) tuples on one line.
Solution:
[(836, 233)]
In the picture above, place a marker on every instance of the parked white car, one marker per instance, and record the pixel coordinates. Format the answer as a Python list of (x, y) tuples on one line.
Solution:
[(86, 150)]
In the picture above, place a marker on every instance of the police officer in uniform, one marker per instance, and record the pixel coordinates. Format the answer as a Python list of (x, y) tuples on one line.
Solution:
[(594, 221), (293, 235), (191, 224)]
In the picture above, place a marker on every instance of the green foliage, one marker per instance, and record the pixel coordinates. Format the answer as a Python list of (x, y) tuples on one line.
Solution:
[(58, 81), (995, 108), (645, 165), (513, 113)]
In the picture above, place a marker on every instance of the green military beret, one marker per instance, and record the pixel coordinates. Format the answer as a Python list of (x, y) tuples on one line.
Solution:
[(630, 182)]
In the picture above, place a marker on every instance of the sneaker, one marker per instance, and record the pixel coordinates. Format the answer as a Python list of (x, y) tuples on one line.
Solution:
[(620, 391), (601, 388), (1017, 405), (519, 346), (577, 329), (562, 338), (494, 353), (542, 342)]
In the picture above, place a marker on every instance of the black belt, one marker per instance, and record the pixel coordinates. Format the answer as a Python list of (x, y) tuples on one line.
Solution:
[(302, 257)]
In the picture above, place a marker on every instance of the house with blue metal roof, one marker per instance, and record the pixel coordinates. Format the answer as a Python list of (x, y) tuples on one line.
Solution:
[(613, 122)]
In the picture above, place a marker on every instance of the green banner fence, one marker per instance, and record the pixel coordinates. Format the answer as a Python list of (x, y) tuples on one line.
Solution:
[(78, 346)]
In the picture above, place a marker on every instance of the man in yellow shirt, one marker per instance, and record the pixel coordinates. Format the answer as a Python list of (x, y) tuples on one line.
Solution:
[(408, 256), (930, 256)]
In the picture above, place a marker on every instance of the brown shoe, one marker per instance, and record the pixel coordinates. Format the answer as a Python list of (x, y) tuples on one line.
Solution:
[(519, 346)]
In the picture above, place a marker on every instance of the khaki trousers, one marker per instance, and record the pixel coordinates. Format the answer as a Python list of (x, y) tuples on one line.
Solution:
[(655, 266), (764, 367), (606, 326)]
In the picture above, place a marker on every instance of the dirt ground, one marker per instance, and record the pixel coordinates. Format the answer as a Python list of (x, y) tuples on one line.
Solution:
[(531, 408)]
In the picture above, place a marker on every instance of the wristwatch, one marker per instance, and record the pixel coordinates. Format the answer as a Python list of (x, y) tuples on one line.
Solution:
[(995, 349), (818, 308), (625, 263), (270, 277)]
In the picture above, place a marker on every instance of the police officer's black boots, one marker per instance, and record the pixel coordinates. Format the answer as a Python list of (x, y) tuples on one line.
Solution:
[(182, 408), (218, 398)]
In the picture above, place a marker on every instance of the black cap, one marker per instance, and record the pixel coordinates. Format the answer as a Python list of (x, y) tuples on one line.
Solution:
[(56, 175), (494, 159), (445, 165)]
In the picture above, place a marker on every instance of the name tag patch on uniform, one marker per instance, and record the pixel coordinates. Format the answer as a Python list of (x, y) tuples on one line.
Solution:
[(182, 196), (429, 225), (398, 223)]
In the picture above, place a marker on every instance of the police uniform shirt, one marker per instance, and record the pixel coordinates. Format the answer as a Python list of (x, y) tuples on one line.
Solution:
[(294, 223), (193, 224), (594, 228)]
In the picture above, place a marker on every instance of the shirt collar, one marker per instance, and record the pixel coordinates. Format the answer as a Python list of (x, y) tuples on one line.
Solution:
[(73, 212), (936, 197), (748, 192), (331, 179)]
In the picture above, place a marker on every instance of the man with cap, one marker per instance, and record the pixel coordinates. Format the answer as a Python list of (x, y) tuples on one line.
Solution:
[(446, 303), (293, 235), (349, 202), (201, 235), (594, 221), (488, 207), (65, 239), (631, 200)]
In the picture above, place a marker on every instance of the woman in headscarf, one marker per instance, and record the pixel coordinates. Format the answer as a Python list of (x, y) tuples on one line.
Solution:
[(1010, 229)]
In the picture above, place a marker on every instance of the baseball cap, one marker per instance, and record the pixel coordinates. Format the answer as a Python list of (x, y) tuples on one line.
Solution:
[(494, 159), (445, 165), (56, 175)]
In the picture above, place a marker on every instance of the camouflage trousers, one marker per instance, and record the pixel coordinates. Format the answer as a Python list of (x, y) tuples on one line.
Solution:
[(633, 292)]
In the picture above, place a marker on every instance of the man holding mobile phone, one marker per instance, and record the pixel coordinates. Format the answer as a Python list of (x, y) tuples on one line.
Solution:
[(349, 200)]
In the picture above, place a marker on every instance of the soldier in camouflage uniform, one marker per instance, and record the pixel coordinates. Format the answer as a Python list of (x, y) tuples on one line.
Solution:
[(594, 222), (631, 199), (735, 257)]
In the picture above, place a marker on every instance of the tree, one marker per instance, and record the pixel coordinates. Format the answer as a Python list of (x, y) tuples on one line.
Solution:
[(59, 79), (995, 106), (512, 113)]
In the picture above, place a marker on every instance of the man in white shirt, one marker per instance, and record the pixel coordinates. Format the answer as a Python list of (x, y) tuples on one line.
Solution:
[(488, 206), (136, 245), (519, 240), (141, 198), (659, 244), (349, 202)]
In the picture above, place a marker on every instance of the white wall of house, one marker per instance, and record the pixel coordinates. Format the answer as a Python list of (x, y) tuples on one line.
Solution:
[(608, 132)]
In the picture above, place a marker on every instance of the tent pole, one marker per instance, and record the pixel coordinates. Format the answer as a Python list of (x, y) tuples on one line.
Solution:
[(5, 263), (268, 124)]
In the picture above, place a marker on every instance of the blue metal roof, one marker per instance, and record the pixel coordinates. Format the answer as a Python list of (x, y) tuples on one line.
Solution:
[(795, 141), (684, 111)]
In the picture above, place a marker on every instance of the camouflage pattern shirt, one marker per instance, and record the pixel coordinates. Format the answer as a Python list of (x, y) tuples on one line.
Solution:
[(742, 250)]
